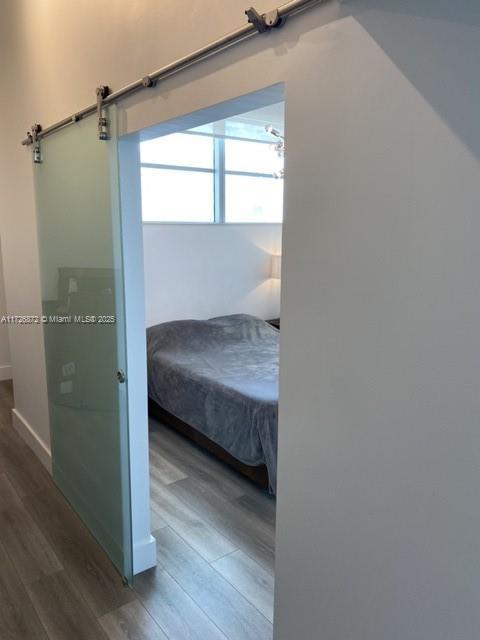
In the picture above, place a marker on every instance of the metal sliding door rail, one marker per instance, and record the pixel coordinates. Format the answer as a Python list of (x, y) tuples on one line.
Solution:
[(257, 23)]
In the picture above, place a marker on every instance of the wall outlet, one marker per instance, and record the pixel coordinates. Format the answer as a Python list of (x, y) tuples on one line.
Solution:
[(66, 387)]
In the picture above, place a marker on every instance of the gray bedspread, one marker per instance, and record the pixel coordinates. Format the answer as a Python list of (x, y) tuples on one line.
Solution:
[(220, 376)]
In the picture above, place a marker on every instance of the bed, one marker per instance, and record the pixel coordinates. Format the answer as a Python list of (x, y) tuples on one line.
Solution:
[(217, 381)]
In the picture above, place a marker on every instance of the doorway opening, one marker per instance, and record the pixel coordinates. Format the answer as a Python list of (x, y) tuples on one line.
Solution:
[(209, 187)]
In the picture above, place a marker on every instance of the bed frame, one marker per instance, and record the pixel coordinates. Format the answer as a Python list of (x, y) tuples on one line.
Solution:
[(258, 475)]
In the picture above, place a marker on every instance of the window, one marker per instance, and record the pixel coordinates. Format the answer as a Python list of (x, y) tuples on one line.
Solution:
[(250, 198), (217, 173), (177, 175)]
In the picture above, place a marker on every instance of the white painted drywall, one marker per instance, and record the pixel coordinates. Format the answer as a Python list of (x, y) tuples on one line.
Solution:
[(144, 546), (378, 530), (379, 403), (202, 271), (17, 218)]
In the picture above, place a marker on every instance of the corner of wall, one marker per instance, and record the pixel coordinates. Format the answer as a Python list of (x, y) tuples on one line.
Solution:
[(144, 555), (27, 433)]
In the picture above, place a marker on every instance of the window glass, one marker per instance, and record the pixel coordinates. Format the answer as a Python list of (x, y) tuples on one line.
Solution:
[(224, 171), (238, 128), (253, 199), (251, 157), (177, 195), (179, 149)]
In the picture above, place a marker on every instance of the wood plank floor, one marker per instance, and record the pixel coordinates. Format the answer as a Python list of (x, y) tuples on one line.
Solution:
[(215, 540), (215, 543)]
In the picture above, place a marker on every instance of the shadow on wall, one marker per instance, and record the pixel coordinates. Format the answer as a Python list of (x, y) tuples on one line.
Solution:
[(447, 55)]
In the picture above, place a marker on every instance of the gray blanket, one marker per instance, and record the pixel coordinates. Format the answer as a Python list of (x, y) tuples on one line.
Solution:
[(220, 376)]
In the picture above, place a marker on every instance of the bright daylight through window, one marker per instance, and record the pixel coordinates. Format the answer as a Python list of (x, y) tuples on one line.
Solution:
[(229, 171)]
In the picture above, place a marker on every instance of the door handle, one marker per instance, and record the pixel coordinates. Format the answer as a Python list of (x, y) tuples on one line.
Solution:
[(121, 377)]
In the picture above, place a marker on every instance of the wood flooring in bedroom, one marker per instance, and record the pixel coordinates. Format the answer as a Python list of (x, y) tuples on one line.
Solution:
[(215, 533), (215, 536)]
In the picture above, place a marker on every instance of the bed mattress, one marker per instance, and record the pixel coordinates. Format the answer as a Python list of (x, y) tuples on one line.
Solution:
[(220, 376)]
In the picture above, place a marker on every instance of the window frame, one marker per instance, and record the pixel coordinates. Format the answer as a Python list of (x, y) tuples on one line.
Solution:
[(219, 174)]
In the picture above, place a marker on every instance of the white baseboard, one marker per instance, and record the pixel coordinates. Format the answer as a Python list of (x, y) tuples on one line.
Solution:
[(144, 552), (6, 372), (26, 432), (144, 555)]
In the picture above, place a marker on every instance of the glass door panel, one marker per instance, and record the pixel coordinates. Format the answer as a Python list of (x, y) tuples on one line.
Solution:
[(84, 329)]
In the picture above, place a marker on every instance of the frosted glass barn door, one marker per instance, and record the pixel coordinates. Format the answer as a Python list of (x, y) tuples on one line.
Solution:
[(84, 317)]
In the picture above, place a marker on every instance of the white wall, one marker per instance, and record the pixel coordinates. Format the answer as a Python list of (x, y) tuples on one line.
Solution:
[(17, 218), (222, 269), (5, 366), (378, 530)]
